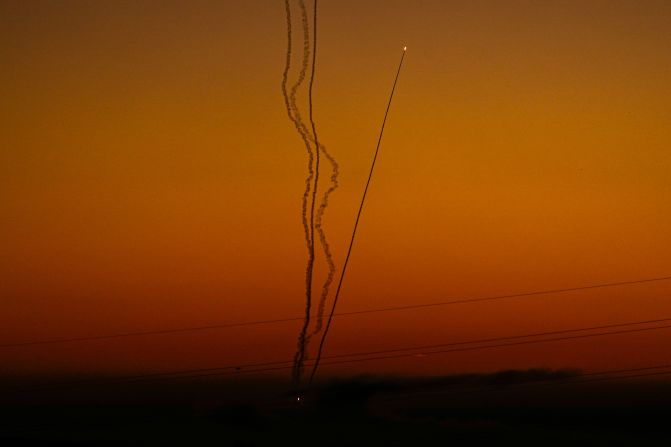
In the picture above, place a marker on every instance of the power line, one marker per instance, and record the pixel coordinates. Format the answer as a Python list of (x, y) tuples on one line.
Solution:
[(358, 354), (340, 314), (509, 296), (373, 355), (511, 337), (416, 354), (500, 345), (288, 367), (145, 333)]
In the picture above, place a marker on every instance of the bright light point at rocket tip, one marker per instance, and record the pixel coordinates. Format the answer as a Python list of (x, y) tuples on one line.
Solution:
[(405, 48)]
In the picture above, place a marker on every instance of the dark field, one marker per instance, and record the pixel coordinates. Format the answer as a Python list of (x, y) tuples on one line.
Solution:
[(522, 407)]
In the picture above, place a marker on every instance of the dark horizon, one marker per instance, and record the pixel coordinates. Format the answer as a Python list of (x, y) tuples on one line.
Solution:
[(522, 406)]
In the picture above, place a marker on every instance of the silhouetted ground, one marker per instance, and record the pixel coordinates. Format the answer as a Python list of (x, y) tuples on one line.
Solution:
[(523, 407)]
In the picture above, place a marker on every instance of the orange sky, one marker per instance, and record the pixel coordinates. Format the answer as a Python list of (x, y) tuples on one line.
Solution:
[(150, 178)]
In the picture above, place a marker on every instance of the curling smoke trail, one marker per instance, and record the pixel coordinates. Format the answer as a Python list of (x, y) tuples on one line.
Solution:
[(324, 242), (325, 198), (356, 224), (295, 116), (320, 148), (303, 338)]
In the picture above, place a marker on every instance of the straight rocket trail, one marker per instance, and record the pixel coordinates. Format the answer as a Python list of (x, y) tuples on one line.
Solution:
[(356, 224)]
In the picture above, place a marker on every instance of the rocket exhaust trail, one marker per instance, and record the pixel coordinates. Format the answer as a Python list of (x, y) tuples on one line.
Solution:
[(315, 224), (324, 242), (303, 338), (356, 224), (295, 116), (325, 198)]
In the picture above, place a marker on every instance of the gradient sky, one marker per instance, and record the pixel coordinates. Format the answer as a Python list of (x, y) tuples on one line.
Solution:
[(150, 179)]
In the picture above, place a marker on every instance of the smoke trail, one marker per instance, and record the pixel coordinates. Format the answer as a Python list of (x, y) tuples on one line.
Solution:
[(304, 338), (324, 242), (334, 184), (308, 226), (294, 116), (310, 223)]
